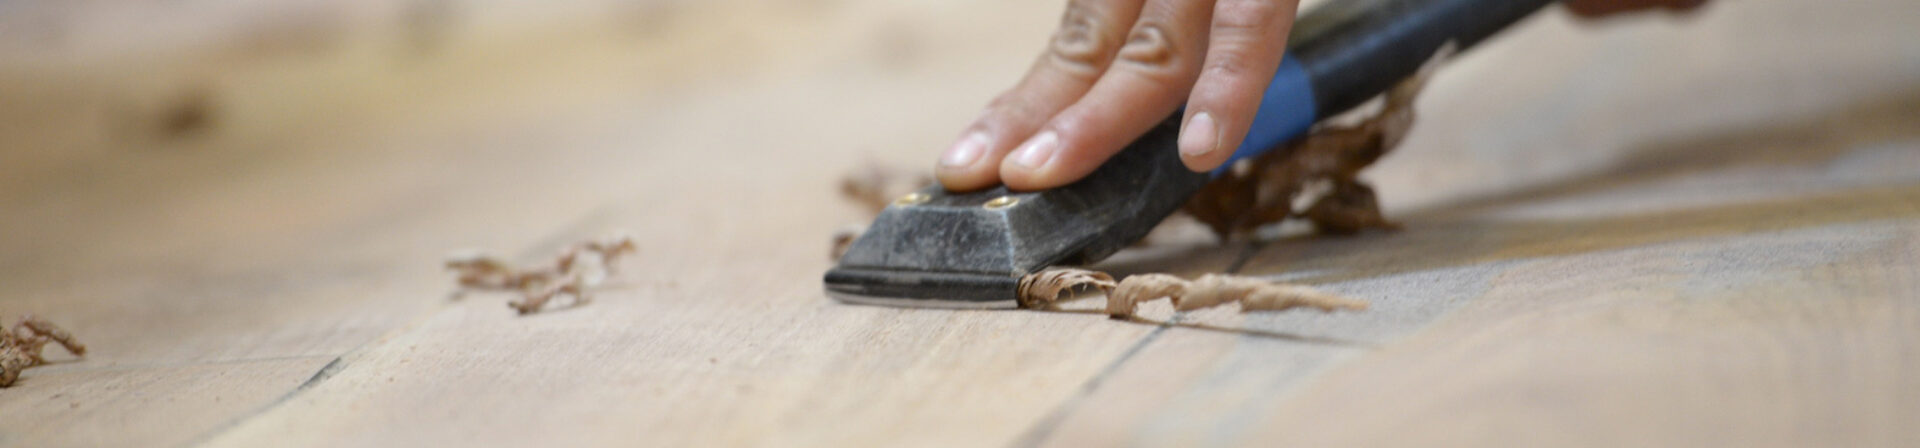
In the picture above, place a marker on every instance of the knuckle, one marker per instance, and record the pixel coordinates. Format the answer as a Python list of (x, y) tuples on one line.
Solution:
[(1079, 42), (1149, 45)]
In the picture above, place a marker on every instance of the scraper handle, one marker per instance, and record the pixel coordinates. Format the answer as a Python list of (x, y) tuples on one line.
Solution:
[(969, 250), (1345, 52), (1339, 55)]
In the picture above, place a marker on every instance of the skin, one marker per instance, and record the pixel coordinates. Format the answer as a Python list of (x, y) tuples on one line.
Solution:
[(1116, 67)]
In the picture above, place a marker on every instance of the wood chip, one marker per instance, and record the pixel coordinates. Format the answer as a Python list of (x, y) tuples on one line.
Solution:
[(22, 345), (573, 273), (1042, 289), (1265, 190)]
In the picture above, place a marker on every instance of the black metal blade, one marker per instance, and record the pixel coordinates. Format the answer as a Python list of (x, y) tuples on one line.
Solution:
[(969, 250)]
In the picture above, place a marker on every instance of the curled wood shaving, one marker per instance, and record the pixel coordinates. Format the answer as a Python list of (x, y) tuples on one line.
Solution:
[(21, 346), (1266, 189), (1041, 289), (577, 269)]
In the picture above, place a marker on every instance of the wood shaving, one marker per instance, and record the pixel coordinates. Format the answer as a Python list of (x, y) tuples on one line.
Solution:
[(1042, 289), (21, 346), (573, 273), (1270, 188)]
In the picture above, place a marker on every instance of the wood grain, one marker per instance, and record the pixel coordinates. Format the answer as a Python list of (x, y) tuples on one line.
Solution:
[(1645, 232), (325, 250), (722, 339), (1746, 277)]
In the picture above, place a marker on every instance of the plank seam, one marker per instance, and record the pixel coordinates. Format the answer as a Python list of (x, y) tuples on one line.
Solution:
[(1044, 428)]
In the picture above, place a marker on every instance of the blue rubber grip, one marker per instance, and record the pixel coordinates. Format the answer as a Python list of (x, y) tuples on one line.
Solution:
[(1286, 111)]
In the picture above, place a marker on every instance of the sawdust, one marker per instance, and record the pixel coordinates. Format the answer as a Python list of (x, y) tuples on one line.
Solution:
[(21, 346), (573, 273), (1042, 289), (1272, 188)]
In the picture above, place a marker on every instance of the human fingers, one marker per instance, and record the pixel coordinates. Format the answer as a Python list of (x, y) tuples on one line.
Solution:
[(1090, 33), (1149, 77), (1243, 51)]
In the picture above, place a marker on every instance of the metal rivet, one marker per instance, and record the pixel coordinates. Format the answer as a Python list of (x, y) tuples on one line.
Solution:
[(912, 199), (1002, 202)]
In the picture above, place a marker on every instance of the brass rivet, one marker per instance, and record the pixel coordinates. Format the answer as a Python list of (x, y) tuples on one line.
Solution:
[(1002, 202), (912, 199)]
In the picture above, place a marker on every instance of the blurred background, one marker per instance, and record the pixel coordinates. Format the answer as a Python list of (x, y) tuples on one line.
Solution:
[(132, 132), (266, 186), (107, 105)]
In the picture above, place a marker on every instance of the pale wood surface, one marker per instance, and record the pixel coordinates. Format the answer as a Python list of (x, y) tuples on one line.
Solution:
[(1644, 232)]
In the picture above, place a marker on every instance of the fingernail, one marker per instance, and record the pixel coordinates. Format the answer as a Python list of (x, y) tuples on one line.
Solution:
[(1037, 151), (966, 151), (1200, 137)]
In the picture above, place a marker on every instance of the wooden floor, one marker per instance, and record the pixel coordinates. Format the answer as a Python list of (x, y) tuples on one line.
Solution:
[(1645, 232)]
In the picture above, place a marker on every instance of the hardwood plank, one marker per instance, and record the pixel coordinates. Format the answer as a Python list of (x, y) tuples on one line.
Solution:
[(723, 338), (308, 229), (144, 405), (1777, 339), (1588, 261), (732, 312), (309, 218)]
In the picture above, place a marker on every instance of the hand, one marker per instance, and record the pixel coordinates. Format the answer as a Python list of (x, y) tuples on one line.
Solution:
[(1114, 69)]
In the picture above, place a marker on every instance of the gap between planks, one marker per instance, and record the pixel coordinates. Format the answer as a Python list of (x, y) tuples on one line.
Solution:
[(1043, 429)]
